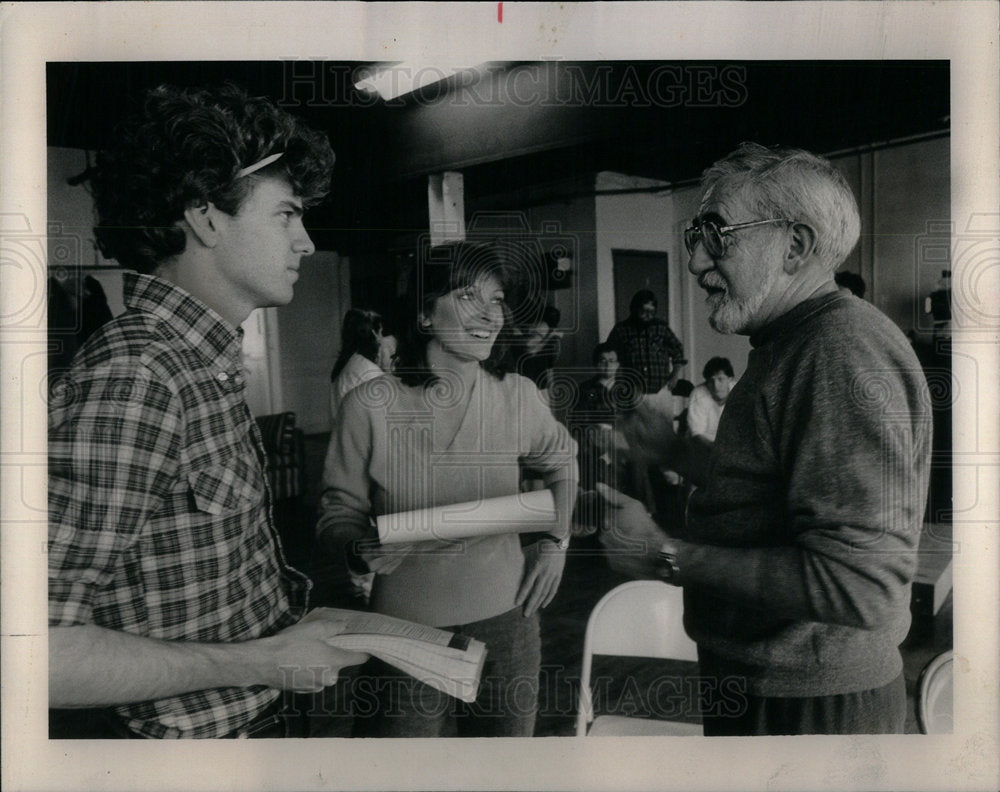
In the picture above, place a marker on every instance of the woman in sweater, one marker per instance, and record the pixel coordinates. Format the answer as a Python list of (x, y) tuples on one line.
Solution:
[(451, 426)]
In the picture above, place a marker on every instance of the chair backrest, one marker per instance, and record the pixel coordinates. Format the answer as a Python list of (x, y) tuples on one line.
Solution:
[(642, 618), (935, 695)]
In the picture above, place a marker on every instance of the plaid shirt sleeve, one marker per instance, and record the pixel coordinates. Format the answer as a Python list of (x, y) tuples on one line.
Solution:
[(113, 447), (675, 349), (160, 516), (653, 351)]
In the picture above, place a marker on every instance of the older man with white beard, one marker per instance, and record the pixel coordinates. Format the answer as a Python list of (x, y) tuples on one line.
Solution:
[(800, 543)]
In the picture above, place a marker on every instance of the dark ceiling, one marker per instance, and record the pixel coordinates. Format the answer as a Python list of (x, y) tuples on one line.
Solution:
[(523, 132)]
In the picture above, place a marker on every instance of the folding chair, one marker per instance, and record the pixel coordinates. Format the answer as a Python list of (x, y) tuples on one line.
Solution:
[(642, 618), (935, 696)]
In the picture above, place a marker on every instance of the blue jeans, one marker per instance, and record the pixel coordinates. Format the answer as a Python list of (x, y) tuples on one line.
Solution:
[(505, 706)]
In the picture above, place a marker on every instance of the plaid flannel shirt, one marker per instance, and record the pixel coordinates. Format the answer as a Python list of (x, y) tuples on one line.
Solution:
[(160, 519), (652, 350)]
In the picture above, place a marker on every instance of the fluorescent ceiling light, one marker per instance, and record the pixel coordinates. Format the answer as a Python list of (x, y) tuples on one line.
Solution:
[(391, 80)]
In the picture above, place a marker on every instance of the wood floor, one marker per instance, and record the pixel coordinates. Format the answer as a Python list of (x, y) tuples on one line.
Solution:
[(626, 685)]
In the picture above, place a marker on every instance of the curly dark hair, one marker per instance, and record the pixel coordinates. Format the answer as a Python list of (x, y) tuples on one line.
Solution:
[(441, 270), (715, 365), (184, 147)]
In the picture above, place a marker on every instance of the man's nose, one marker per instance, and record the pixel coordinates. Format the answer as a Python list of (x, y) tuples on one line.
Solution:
[(699, 261), (303, 244)]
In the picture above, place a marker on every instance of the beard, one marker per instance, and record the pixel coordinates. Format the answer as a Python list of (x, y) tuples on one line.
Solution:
[(732, 315)]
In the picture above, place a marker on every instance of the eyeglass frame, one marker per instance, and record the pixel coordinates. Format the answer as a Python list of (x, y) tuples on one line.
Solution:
[(691, 230)]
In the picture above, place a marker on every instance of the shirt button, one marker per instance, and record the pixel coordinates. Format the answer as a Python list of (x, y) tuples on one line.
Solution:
[(223, 376), (238, 379)]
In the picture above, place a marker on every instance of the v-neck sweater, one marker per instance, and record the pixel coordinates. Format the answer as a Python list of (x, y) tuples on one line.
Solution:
[(383, 459)]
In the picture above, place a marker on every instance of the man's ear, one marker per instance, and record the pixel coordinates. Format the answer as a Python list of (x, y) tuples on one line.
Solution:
[(203, 222), (801, 246)]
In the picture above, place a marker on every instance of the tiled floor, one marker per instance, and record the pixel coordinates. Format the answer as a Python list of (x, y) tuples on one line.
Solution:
[(586, 579)]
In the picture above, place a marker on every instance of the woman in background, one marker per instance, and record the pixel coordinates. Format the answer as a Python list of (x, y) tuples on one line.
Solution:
[(365, 353), (452, 426)]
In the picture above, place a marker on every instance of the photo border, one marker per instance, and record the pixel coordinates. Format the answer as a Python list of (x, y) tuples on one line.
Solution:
[(965, 33)]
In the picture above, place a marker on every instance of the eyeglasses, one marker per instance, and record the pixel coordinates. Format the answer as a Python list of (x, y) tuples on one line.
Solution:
[(715, 236)]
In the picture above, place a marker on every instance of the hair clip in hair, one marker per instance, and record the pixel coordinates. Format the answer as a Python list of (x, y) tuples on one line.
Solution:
[(258, 165)]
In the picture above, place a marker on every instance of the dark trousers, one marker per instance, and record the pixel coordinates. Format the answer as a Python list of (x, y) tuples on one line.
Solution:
[(505, 706), (86, 724), (880, 710)]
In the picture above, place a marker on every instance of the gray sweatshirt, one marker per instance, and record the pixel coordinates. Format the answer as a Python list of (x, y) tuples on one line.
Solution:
[(805, 535)]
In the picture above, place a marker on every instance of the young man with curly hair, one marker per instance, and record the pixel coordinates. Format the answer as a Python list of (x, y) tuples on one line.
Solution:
[(172, 611)]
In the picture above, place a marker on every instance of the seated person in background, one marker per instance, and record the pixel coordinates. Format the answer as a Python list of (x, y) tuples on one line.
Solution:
[(595, 399), (592, 420), (709, 399), (699, 421), (365, 353)]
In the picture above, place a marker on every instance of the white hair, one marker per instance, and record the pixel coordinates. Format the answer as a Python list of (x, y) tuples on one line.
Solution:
[(793, 185)]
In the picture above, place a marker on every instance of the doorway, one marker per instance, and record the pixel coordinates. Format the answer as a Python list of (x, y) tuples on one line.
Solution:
[(639, 269)]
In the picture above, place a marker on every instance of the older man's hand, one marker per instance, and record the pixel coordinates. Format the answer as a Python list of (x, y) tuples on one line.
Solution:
[(649, 431), (630, 536)]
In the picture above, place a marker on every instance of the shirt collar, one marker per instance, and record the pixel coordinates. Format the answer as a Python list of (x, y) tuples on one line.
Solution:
[(211, 336), (790, 319)]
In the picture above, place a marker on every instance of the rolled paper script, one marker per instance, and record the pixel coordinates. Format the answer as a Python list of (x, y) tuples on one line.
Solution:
[(524, 512)]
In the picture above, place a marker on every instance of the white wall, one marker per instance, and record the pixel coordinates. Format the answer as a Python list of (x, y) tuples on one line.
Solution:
[(263, 368), (911, 214), (70, 209), (655, 221), (309, 338), (638, 221)]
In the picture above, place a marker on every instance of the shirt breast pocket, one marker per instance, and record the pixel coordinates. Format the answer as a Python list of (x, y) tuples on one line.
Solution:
[(226, 488)]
